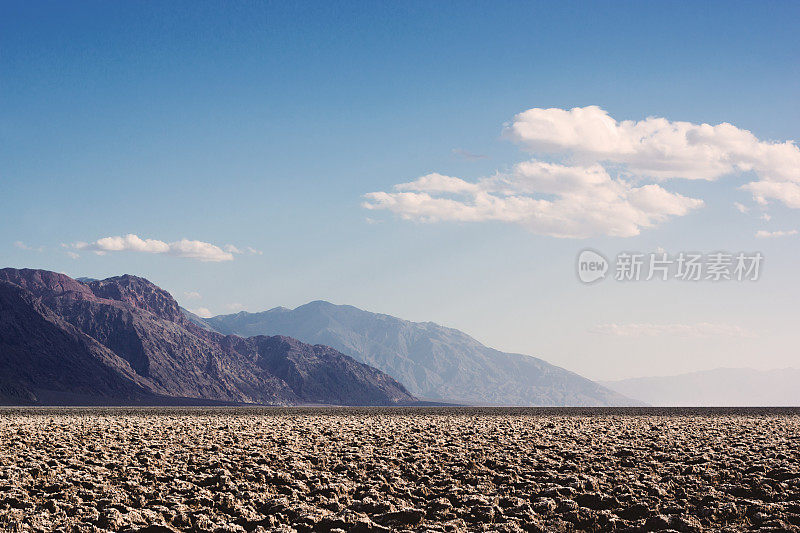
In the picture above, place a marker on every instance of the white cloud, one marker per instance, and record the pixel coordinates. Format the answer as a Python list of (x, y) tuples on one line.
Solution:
[(439, 183), (763, 234), (654, 147), (199, 250), (601, 182), (22, 246), (192, 295), (585, 201), (230, 248), (764, 191), (202, 312), (701, 329), (72, 255), (746, 210), (202, 251)]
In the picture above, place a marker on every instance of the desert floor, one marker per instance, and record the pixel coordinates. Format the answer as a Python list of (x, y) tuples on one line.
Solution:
[(364, 469)]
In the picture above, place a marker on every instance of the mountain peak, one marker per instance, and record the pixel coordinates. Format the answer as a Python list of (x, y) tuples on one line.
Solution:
[(46, 283), (433, 361), (132, 290), (319, 304), (140, 293), (124, 339)]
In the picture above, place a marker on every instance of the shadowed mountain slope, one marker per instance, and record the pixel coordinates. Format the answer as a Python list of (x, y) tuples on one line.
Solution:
[(125, 340)]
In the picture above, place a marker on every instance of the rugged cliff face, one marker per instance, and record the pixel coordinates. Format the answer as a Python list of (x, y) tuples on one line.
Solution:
[(125, 340)]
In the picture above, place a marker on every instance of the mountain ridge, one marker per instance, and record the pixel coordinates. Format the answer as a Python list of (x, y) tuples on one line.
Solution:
[(125, 339), (718, 387), (435, 362)]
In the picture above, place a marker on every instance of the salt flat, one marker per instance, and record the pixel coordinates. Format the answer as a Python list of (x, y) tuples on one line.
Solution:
[(431, 469)]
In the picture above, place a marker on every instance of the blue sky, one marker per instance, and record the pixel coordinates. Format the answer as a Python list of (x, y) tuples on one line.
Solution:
[(264, 125)]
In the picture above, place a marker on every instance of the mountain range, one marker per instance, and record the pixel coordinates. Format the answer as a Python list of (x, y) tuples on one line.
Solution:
[(434, 362), (721, 387), (123, 340)]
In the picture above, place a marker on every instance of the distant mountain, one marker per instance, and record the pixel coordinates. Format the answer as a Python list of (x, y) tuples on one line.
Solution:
[(125, 340), (196, 320), (434, 362), (723, 387)]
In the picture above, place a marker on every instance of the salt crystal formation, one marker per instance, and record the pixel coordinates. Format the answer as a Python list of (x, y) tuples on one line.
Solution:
[(388, 469)]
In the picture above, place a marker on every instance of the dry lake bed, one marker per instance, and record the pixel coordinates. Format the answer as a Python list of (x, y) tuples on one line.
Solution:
[(381, 469)]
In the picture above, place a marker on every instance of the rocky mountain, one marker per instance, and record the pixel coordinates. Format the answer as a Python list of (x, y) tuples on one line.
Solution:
[(434, 362), (125, 340), (721, 387)]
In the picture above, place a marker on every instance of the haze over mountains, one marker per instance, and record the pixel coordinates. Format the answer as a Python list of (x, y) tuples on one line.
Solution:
[(721, 387), (433, 361), (125, 340)]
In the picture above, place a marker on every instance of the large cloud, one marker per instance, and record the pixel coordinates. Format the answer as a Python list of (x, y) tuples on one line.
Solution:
[(582, 201), (603, 183), (654, 147), (202, 251)]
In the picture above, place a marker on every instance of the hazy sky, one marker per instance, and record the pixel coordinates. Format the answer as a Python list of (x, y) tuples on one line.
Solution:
[(434, 161)]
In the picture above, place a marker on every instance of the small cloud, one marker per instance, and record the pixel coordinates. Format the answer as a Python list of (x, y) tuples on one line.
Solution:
[(464, 154), (202, 312), (234, 307), (371, 221), (746, 210), (702, 329), (787, 192), (22, 246), (199, 250), (192, 295), (763, 234), (72, 255), (230, 248)]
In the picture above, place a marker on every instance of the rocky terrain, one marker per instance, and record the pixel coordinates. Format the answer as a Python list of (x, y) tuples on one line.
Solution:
[(124, 340), (382, 469), (433, 361)]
